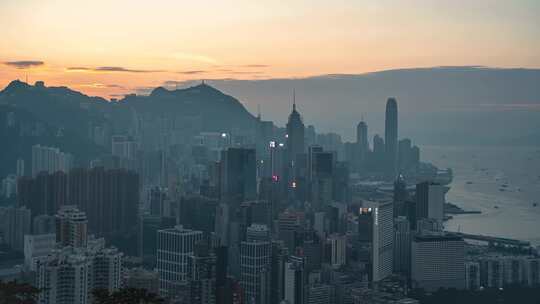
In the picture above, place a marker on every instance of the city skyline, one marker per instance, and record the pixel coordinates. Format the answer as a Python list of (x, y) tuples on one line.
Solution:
[(100, 55)]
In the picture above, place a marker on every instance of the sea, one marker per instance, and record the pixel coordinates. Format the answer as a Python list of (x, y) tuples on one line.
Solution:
[(501, 182)]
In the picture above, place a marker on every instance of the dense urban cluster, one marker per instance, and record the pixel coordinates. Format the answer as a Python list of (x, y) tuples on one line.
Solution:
[(258, 215)]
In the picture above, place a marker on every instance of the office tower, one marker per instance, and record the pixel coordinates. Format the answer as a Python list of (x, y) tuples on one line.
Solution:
[(44, 224), (147, 238), (277, 276), (141, 278), (378, 215), (50, 160), (174, 248), (391, 135), (321, 178), (438, 261), (198, 213), (362, 142), (71, 227), (290, 229), (221, 274), (295, 280), (124, 147), (430, 201), (402, 245), (255, 259), (238, 176), (202, 277), (472, 275), (295, 135), (14, 224), (222, 224), (110, 199), (338, 250), (401, 195), (43, 194)]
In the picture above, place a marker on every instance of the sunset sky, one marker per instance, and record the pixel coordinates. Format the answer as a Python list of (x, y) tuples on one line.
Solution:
[(109, 48)]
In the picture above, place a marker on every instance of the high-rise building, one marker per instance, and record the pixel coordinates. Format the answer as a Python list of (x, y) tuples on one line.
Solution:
[(238, 176), (43, 194), (20, 168), (438, 261), (255, 261), (14, 224), (402, 245), (175, 246), (338, 250), (391, 135), (65, 278), (295, 135), (290, 229), (50, 160), (202, 277), (362, 141), (147, 238), (69, 275), (110, 199), (295, 280), (37, 246), (380, 220), (124, 146), (71, 227), (44, 224), (320, 294), (430, 199)]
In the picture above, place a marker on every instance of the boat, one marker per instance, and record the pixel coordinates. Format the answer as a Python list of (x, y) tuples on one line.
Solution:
[(469, 183), (496, 207), (535, 204)]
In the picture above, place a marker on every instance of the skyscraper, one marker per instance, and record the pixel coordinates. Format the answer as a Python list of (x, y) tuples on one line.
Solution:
[(71, 227), (430, 199), (295, 280), (50, 160), (382, 229), (14, 224), (238, 175), (174, 249), (402, 245), (362, 142), (295, 134), (391, 135), (255, 258)]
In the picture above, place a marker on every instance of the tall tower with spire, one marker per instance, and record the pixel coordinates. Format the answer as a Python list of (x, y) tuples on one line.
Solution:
[(295, 133), (391, 135)]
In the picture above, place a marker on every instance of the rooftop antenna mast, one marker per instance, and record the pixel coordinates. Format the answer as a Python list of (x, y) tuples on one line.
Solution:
[(294, 99), (259, 111)]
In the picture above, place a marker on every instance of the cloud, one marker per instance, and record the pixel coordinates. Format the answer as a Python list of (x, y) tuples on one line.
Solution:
[(255, 66), (111, 69), (192, 72), (24, 64), (193, 57), (100, 86)]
